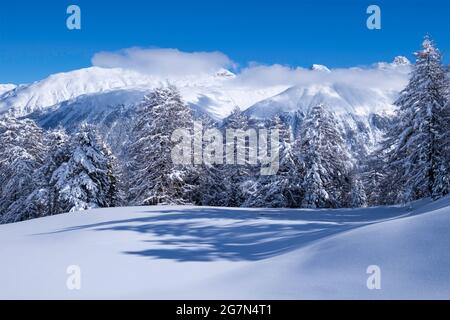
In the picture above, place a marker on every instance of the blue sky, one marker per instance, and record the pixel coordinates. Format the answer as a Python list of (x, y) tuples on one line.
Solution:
[(34, 40)]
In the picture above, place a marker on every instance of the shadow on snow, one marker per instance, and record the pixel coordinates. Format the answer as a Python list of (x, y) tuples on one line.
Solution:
[(206, 234)]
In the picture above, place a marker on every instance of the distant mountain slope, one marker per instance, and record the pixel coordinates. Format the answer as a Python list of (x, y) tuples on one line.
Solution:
[(112, 111), (101, 96), (363, 112), (216, 93), (61, 87), (5, 88), (342, 99), (209, 92)]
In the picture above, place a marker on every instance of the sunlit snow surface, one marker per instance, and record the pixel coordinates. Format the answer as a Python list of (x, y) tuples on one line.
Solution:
[(204, 253)]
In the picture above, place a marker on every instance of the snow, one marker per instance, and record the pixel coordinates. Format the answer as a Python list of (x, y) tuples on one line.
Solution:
[(209, 92), (218, 93), (61, 87), (320, 67), (352, 104), (6, 87), (109, 96), (344, 99), (208, 253), (399, 62)]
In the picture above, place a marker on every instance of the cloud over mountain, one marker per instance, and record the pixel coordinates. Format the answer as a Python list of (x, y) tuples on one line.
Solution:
[(173, 63), (163, 62)]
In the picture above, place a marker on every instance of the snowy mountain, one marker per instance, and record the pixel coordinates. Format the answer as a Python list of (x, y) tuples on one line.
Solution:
[(360, 111), (5, 88), (217, 94), (320, 67), (226, 253), (103, 96), (207, 92), (62, 87), (112, 111), (343, 100), (398, 62)]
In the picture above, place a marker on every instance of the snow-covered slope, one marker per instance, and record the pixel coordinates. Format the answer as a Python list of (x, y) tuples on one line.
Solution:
[(65, 86), (361, 99), (204, 253), (359, 111), (320, 67), (216, 94), (112, 111), (342, 99), (5, 88), (100, 95), (341, 91), (209, 92)]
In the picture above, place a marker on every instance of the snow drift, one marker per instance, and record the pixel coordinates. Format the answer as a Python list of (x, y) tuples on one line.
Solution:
[(203, 253)]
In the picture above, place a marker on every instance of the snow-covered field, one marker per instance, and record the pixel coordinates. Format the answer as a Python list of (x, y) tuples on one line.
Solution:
[(209, 253)]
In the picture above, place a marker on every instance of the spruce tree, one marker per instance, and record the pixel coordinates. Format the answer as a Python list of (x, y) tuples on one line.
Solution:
[(358, 197), (237, 176), (372, 178), (82, 174), (283, 189), (415, 145), (211, 185), (154, 178), (22, 150), (326, 160)]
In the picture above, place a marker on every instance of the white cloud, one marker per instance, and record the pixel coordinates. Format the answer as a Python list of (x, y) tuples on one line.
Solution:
[(163, 62), (393, 78), (172, 63)]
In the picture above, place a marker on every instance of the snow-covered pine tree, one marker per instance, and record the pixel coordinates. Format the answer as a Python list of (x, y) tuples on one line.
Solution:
[(358, 198), (212, 189), (416, 142), (22, 150), (39, 202), (372, 177), (282, 190), (316, 196), (237, 176), (84, 174), (154, 178), (326, 159), (441, 186)]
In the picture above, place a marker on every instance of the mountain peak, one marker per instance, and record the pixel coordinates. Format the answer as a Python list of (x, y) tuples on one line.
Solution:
[(401, 61), (224, 73), (320, 67), (6, 87), (398, 62)]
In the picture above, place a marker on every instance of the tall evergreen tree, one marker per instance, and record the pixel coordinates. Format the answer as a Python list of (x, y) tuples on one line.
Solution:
[(358, 197), (22, 150), (85, 175), (154, 178), (441, 185), (372, 178), (282, 190), (327, 161), (39, 202), (211, 184), (414, 146), (237, 176)]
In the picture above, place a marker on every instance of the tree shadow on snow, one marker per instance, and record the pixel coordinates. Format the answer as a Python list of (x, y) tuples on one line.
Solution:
[(207, 234)]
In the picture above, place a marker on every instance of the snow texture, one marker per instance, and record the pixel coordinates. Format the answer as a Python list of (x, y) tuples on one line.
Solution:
[(221, 253)]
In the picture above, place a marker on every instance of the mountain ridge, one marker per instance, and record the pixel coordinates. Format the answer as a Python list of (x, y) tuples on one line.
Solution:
[(102, 96)]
